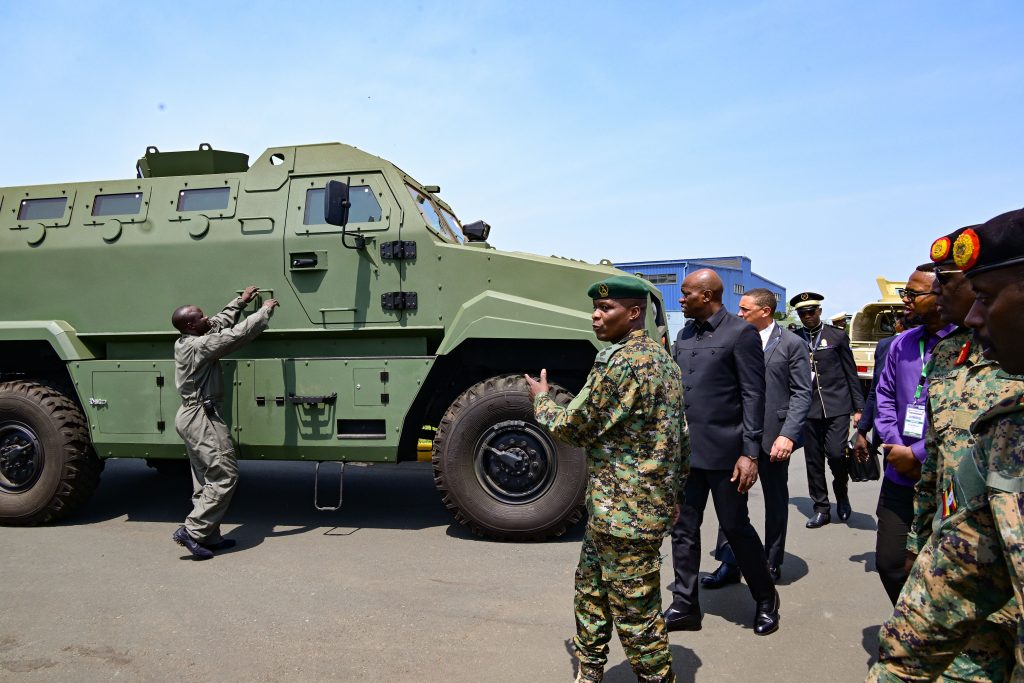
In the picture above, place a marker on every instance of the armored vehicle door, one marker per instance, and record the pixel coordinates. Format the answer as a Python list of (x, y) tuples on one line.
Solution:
[(339, 284)]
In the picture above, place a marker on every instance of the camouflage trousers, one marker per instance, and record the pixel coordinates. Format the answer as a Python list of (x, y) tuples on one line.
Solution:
[(956, 618), (618, 581)]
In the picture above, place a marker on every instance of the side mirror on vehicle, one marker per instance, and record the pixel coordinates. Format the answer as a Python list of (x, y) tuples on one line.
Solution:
[(336, 203), (476, 231)]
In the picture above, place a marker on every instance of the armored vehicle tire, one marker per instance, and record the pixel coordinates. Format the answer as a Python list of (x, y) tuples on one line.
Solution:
[(500, 472), (47, 466)]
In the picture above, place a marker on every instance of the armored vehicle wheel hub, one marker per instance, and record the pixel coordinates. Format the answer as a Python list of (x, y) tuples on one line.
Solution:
[(21, 457), (515, 462)]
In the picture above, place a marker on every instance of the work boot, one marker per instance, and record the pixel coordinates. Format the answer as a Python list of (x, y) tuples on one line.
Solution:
[(182, 538), (589, 674), (222, 544)]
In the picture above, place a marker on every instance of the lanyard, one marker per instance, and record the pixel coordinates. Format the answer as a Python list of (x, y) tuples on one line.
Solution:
[(925, 367)]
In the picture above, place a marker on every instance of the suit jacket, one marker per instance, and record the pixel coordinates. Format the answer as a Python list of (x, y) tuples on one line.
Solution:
[(867, 418), (836, 389), (723, 389), (787, 398)]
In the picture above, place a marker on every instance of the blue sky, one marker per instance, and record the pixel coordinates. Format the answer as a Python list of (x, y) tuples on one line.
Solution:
[(828, 141)]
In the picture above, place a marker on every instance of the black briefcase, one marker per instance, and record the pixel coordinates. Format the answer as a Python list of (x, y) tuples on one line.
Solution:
[(870, 469)]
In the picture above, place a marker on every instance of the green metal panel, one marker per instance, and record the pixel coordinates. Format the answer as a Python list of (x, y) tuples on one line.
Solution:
[(128, 402), (59, 334), (367, 390)]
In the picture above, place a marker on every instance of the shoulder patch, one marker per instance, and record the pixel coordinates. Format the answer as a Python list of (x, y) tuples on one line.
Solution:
[(1008, 406), (604, 355)]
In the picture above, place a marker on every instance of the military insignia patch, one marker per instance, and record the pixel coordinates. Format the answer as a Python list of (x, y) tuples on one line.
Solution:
[(949, 505), (940, 249), (602, 289), (966, 249)]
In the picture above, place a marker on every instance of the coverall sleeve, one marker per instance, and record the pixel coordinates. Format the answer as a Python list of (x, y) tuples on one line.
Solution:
[(229, 316), (215, 345)]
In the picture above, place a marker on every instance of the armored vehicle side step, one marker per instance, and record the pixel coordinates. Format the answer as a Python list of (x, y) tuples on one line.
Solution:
[(316, 488)]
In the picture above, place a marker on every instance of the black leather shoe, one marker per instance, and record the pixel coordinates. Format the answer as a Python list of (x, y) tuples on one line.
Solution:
[(819, 520), (776, 573), (843, 509), (182, 538), (723, 576), (766, 618), (222, 544), (677, 620)]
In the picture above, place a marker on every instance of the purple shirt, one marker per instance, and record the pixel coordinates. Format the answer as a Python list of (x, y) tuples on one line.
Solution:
[(896, 387)]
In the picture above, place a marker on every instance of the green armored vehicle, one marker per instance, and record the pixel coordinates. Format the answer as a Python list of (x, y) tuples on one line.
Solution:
[(394, 316)]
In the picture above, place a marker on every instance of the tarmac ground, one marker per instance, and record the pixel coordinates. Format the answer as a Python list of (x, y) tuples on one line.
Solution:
[(388, 588)]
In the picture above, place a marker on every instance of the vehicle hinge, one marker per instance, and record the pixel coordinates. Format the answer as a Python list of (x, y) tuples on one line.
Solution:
[(398, 250), (159, 380), (160, 425), (399, 301), (385, 399)]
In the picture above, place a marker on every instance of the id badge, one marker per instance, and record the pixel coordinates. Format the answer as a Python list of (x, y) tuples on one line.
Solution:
[(913, 422)]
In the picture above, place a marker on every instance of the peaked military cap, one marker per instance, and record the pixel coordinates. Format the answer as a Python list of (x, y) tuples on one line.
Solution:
[(942, 248), (806, 300), (995, 244), (619, 287)]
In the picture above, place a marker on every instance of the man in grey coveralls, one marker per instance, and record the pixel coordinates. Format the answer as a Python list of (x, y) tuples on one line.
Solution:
[(197, 376)]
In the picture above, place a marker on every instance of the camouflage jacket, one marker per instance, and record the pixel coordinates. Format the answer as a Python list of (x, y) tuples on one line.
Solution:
[(629, 418), (961, 386), (999, 443)]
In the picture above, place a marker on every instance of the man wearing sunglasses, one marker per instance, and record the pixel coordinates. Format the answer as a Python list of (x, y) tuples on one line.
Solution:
[(835, 394), (900, 418)]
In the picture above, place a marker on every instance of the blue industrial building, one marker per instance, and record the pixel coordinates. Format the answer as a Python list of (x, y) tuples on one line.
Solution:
[(734, 271)]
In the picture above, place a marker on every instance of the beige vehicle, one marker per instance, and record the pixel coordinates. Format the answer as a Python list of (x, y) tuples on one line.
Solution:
[(875, 321)]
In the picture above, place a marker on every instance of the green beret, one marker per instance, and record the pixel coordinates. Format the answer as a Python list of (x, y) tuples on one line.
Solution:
[(619, 287)]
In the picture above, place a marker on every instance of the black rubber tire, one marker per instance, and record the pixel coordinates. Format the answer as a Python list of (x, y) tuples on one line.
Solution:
[(67, 470), (458, 445), (170, 467)]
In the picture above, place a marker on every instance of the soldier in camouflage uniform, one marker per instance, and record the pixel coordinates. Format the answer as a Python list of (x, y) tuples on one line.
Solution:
[(629, 418), (961, 385), (973, 562), (197, 376)]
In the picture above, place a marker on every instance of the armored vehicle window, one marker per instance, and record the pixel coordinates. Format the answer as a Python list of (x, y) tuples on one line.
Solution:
[(453, 223), (430, 214), (206, 199), (42, 209), (364, 209), (116, 204)]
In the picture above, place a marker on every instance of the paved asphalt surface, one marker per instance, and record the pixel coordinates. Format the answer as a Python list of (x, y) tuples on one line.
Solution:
[(389, 588)]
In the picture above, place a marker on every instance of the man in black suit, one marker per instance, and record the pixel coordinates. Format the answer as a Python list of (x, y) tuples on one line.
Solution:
[(723, 399), (787, 400), (835, 394)]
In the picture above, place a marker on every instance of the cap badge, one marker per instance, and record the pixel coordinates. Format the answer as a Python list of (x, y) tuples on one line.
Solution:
[(966, 249), (602, 289), (805, 296), (940, 249)]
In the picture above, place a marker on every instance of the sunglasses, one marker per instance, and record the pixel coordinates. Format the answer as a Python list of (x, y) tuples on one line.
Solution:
[(807, 310), (910, 294), (944, 276)]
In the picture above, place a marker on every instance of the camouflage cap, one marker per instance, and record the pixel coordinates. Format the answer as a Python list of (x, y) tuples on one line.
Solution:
[(619, 287), (941, 252), (995, 244)]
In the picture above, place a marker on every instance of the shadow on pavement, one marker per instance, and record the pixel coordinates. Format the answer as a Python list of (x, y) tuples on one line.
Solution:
[(685, 663), (870, 642), (868, 559), (272, 495)]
